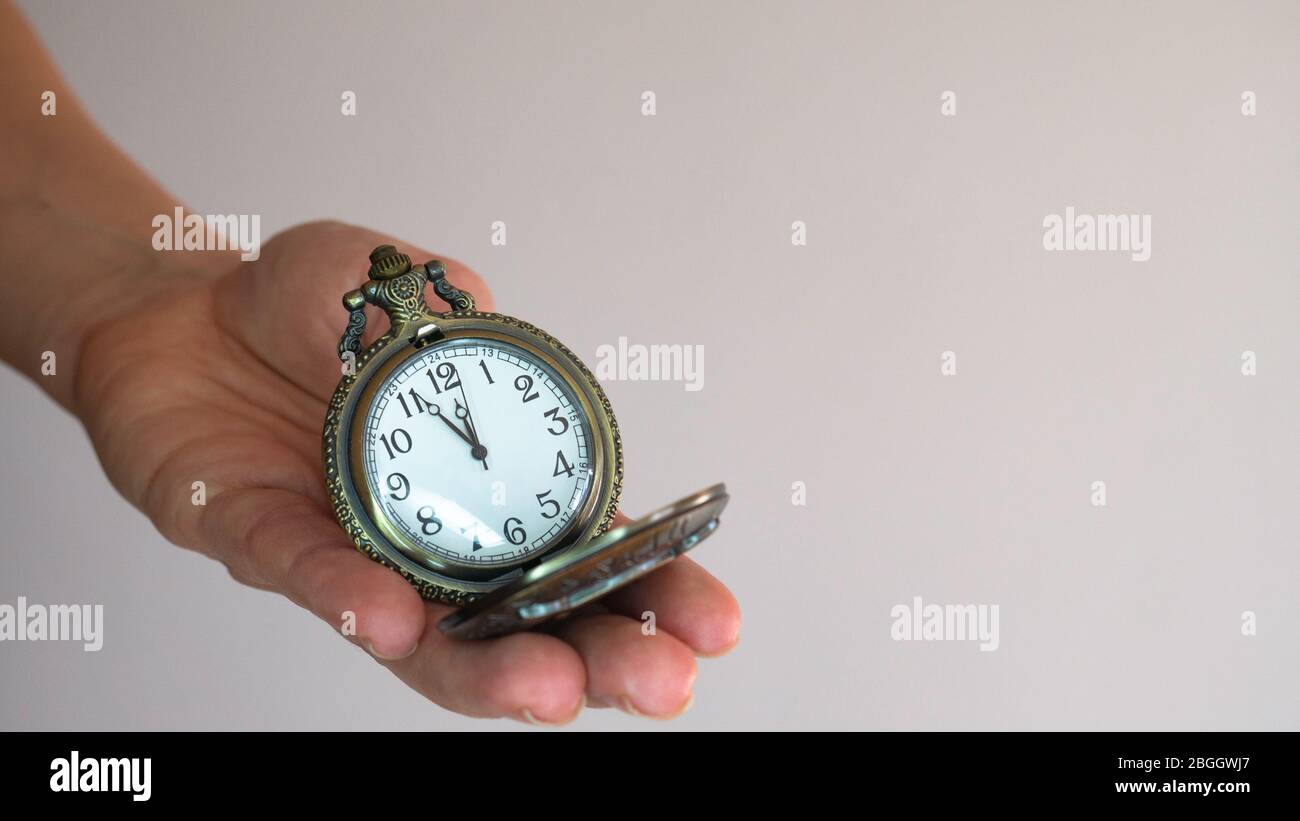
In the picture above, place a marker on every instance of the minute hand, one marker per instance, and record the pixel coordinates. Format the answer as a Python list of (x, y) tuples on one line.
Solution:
[(478, 451)]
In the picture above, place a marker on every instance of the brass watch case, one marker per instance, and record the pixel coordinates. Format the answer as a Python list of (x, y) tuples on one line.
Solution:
[(356, 504)]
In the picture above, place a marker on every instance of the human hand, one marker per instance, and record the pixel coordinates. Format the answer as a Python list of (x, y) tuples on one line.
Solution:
[(225, 381)]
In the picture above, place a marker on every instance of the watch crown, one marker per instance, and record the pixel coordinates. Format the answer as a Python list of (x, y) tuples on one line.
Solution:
[(387, 262)]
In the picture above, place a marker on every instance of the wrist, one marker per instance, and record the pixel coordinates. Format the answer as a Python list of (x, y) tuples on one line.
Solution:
[(75, 222)]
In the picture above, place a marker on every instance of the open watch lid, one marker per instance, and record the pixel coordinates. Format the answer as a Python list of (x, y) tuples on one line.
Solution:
[(582, 574)]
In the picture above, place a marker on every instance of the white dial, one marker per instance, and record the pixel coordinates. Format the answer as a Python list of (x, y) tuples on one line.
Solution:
[(478, 453)]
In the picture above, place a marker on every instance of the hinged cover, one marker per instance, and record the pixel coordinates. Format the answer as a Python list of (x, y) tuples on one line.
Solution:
[(582, 574)]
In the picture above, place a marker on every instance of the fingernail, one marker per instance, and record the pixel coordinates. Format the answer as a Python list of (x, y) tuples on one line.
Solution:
[(625, 704), (528, 716), (370, 648)]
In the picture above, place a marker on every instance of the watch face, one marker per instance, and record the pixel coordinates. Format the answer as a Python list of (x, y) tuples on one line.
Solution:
[(477, 453)]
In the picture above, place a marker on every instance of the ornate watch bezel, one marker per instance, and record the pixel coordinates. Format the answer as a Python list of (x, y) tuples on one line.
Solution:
[(354, 502)]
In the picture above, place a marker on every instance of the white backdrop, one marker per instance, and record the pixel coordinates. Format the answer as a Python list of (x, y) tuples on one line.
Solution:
[(822, 361)]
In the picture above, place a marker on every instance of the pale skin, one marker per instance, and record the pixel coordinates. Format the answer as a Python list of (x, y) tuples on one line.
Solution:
[(193, 366)]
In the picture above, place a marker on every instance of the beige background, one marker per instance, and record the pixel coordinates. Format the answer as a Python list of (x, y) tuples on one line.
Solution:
[(822, 362)]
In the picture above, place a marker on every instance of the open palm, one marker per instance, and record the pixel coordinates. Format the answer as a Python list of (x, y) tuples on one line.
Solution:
[(225, 382)]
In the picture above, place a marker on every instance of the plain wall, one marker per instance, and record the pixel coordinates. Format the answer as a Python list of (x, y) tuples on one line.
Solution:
[(822, 362)]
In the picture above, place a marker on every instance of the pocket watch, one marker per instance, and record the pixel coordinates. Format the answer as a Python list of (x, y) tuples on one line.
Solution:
[(477, 456)]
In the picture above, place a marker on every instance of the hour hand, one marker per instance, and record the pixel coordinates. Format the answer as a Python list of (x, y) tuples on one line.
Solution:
[(478, 451), (454, 428), (462, 413)]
